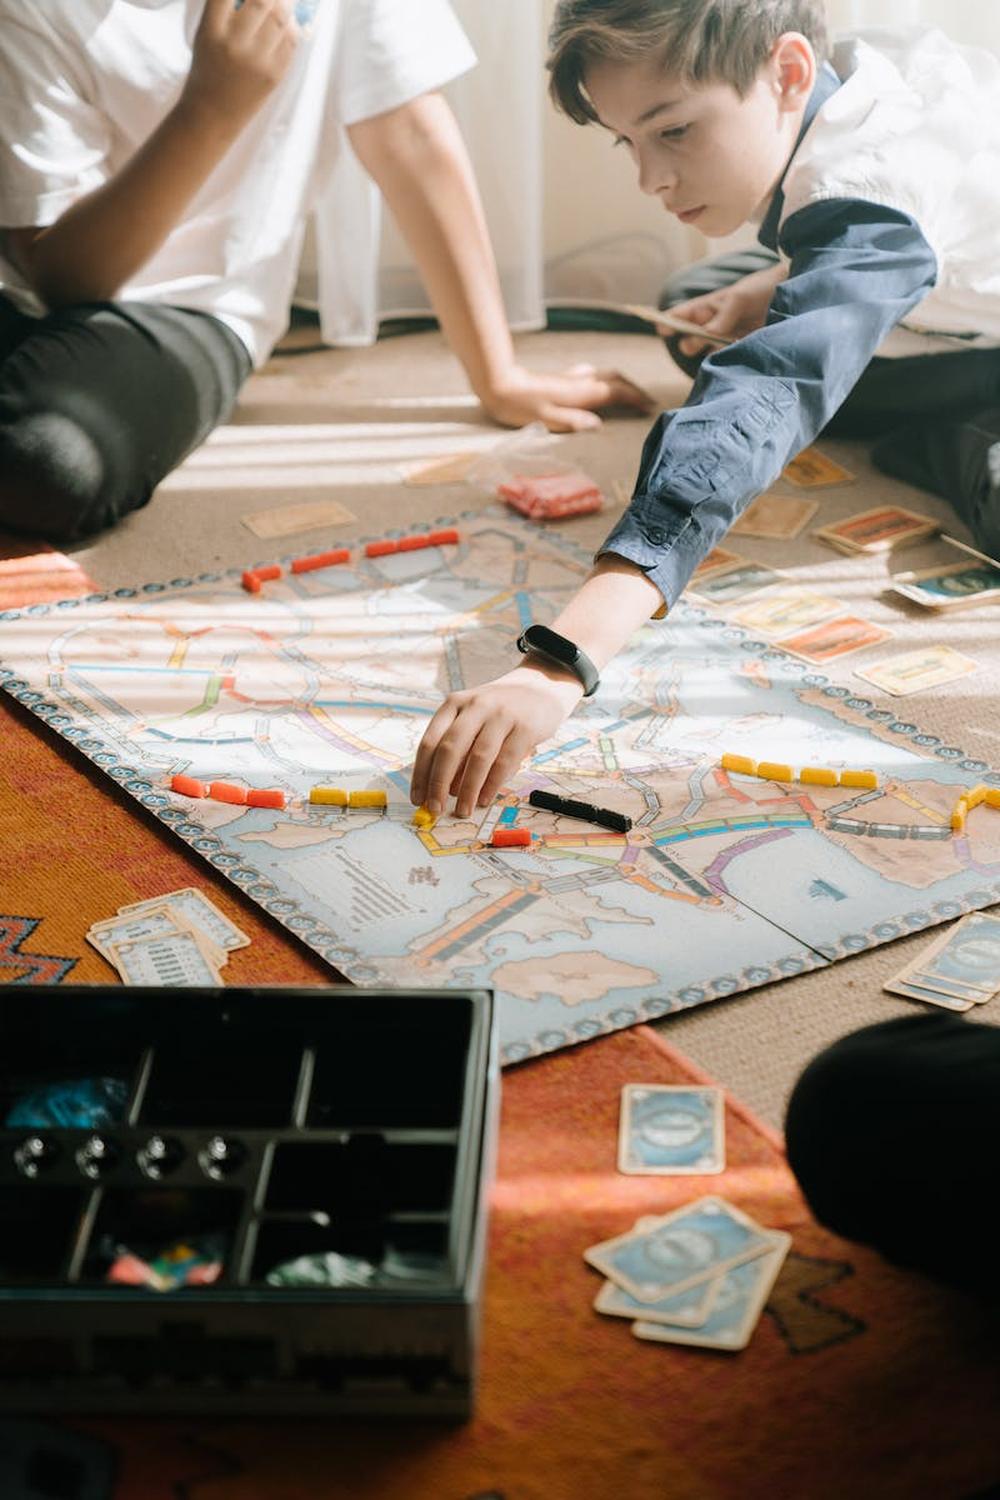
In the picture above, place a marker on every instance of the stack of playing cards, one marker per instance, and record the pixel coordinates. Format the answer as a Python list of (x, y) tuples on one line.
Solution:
[(552, 497), (176, 939), (700, 1275), (879, 530), (950, 585), (959, 970)]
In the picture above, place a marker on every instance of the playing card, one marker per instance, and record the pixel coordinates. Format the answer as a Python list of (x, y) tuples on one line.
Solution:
[(968, 955), (201, 913), (686, 1247), (668, 1130), (287, 520), (158, 921), (812, 470), (775, 517), (164, 961), (662, 318), (717, 561), (879, 530), (735, 584), (923, 980), (930, 997), (687, 1309), (738, 1306), (787, 610), (957, 586), (917, 670), (833, 638)]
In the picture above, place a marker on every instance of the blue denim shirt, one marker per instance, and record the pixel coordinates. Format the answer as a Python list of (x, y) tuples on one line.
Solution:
[(857, 268)]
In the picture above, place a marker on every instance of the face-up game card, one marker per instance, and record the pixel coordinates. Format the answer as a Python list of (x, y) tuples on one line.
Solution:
[(717, 561), (917, 670), (201, 913), (671, 1131), (879, 530), (744, 1291), (687, 1309), (958, 586), (288, 520), (787, 610), (735, 584), (158, 921), (776, 518), (834, 638), (812, 470), (679, 1251), (168, 961)]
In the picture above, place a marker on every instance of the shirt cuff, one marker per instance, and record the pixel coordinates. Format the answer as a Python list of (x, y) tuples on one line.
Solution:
[(666, 547)]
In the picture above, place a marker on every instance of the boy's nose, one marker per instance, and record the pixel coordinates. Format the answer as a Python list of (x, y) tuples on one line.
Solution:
[(656, 179)]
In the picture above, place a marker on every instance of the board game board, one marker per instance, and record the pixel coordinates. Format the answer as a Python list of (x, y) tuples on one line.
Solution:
[(724, 883)]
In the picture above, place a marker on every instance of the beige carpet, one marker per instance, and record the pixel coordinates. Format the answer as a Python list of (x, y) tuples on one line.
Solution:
[(336, 424)]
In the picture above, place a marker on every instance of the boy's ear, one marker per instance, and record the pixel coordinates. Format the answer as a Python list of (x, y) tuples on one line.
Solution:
[(793, 69)]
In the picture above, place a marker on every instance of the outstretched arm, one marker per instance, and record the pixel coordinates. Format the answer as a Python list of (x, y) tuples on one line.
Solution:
[(418, 158), (857, 269)]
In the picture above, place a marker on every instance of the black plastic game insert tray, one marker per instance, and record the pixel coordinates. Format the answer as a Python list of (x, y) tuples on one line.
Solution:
[(243, 1200)]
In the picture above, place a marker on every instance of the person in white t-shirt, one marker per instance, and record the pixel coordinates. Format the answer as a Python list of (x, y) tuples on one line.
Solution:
[(158, 162)]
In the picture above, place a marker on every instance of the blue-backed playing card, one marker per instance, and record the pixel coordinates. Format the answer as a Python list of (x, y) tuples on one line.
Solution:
[(738, 1306), (680, 1250), (671, 1131)]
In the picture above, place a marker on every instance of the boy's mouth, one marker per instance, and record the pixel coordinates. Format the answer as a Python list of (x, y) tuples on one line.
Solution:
[(689, 215)]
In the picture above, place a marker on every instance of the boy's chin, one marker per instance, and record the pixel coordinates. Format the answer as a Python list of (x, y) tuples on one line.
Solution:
[(718, 223)]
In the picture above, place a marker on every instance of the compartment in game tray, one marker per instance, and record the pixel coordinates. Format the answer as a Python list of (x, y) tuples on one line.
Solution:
[(362, 1177), (299, 1252), (401, 1067), (38, 1231), (230, 1078), (162, 1238), (76, 1076)]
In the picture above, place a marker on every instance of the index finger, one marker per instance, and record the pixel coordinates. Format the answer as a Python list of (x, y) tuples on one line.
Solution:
[(433, 734)]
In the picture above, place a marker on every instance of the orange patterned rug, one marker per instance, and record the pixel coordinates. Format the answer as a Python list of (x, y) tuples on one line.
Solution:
[(860, 1379)]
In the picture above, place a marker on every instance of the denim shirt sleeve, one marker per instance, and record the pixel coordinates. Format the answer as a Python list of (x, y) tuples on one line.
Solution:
[(857, 268)]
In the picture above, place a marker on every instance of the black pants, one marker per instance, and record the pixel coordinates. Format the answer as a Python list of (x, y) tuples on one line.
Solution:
[(99, 402), (894, 1136), (935, 418)]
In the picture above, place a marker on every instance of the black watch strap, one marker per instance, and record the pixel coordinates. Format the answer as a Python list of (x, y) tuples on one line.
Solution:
[(553, 647)]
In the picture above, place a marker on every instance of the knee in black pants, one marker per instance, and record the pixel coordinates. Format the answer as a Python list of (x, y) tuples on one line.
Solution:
[(53, 476), (891, 1135)]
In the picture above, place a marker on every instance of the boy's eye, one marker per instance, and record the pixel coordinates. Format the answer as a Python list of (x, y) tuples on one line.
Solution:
[(675, 133)]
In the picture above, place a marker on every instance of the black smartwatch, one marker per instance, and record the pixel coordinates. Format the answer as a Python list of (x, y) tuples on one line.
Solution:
[(551, 646)]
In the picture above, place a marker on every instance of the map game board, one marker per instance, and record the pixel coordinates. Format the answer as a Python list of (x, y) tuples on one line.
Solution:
[(724, 883)]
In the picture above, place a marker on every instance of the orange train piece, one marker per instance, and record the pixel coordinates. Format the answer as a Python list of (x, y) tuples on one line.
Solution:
[(510, 838), (444, 538), (251, 582), (188, 786), (225, 791), (380, 549), (265, 575), (266, 797), (413, 543), (321, 560)]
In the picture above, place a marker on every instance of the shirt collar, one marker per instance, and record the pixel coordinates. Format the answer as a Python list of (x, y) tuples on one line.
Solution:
[(827, 83)]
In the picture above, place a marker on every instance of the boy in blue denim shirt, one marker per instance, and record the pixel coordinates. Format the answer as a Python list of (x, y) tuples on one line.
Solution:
[(873, 175)]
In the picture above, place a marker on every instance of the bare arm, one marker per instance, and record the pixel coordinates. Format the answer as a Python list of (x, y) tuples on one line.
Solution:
[(418, 158), (104, 238), (478, 738)]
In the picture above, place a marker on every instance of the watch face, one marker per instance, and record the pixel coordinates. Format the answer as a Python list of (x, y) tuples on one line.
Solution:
[(557, 646)]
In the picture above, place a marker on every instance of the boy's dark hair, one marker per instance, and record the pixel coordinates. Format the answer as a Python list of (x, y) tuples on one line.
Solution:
[(699, 41)]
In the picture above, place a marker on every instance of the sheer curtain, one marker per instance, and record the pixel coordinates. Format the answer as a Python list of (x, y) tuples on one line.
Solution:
[(566, 218)]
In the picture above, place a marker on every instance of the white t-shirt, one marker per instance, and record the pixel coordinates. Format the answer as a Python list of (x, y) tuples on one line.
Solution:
[(84, 82), (916, 126)]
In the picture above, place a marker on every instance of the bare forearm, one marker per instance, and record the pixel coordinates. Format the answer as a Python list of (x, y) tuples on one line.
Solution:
[(417, 157), (105, 238), (612, 602)]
